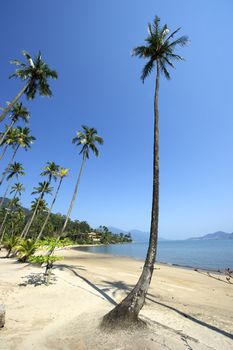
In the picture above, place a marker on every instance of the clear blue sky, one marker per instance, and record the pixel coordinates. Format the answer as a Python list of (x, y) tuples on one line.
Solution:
[(89, 44)]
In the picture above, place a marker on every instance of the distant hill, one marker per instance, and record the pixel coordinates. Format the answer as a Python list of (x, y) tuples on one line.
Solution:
[(215, 235), (137, 235), (7, 200)]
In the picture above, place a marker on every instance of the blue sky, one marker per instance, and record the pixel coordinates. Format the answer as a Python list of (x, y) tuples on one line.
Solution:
[(89, 44)]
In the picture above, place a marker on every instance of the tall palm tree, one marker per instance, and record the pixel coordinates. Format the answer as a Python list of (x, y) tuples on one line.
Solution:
[(18, 112), (87, 139), (20, 138), (159, 51), (12, 170), (42, 189), (36, 74), (61, 174)]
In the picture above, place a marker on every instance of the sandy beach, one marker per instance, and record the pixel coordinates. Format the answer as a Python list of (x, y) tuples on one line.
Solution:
[(185, 309)]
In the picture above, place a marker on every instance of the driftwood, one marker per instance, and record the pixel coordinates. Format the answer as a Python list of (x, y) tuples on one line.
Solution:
[(227, 275)]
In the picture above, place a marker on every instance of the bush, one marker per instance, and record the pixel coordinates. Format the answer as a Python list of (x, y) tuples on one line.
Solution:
[(26, 248)]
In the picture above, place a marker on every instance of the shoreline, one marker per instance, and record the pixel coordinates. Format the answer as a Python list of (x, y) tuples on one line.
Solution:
[(216, 271)]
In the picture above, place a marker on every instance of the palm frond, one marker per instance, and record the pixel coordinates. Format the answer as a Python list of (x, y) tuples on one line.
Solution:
[(147, 70)]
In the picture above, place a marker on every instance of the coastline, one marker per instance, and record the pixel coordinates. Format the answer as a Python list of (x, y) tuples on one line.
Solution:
[(212, 270), (181, 304)]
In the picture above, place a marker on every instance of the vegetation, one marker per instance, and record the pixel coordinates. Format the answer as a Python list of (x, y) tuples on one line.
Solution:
[(25, 249)]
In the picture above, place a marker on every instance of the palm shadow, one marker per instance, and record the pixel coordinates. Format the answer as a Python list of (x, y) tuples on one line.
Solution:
[(100, 291), (123, 286), (36, 279)]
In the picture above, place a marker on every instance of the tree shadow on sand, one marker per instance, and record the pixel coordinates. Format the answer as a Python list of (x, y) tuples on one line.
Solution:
[(123, 286), (100, 291), (37, 279)]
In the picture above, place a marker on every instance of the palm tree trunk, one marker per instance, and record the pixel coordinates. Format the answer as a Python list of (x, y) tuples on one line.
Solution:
[(4, 220), (74, 196), (2, 227), (3, 152), (13, 102), (128, 310), (11, 161), (70, 208), (50, 210), (7, 189), (29, 224), (6, 132)]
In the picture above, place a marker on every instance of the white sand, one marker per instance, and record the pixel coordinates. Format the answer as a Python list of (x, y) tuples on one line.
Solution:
[(65, 315)]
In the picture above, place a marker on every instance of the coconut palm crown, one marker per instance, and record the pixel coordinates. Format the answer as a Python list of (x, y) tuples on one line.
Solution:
[(19, 112), (50, 170), (36, 72), (87, 140), (42, 188), (159, 48), (17, 188), (23, 138), (14, 169)]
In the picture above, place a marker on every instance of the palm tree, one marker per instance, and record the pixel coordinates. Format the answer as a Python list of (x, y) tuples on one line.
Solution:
[(10, 243), (87, 139), (20, 138), (39, 204), (61, 174), (17, 189), (42, 189), (36, 74), (18, 112), (159, 50), (12, 170)]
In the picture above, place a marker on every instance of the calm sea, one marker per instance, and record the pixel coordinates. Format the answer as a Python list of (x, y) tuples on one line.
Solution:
[(208, 254)]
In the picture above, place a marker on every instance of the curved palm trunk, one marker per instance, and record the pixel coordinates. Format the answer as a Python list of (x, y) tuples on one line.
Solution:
[(11, 161), (6, 132), (7, 189), (50, 210), (29, 223), (4, 220), (13, 102), (70, 208), (127, 311), (3, 152), (2, 227)]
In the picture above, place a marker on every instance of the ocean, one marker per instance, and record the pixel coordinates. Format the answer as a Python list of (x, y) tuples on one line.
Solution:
[(205, 254)]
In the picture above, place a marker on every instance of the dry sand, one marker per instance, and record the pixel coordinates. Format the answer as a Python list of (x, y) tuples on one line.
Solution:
[(185, 309)]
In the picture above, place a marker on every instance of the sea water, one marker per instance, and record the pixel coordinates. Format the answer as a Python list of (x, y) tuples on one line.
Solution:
[(206, 254)]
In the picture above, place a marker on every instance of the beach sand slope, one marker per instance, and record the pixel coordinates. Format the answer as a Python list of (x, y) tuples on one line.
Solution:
[(185, 309)]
